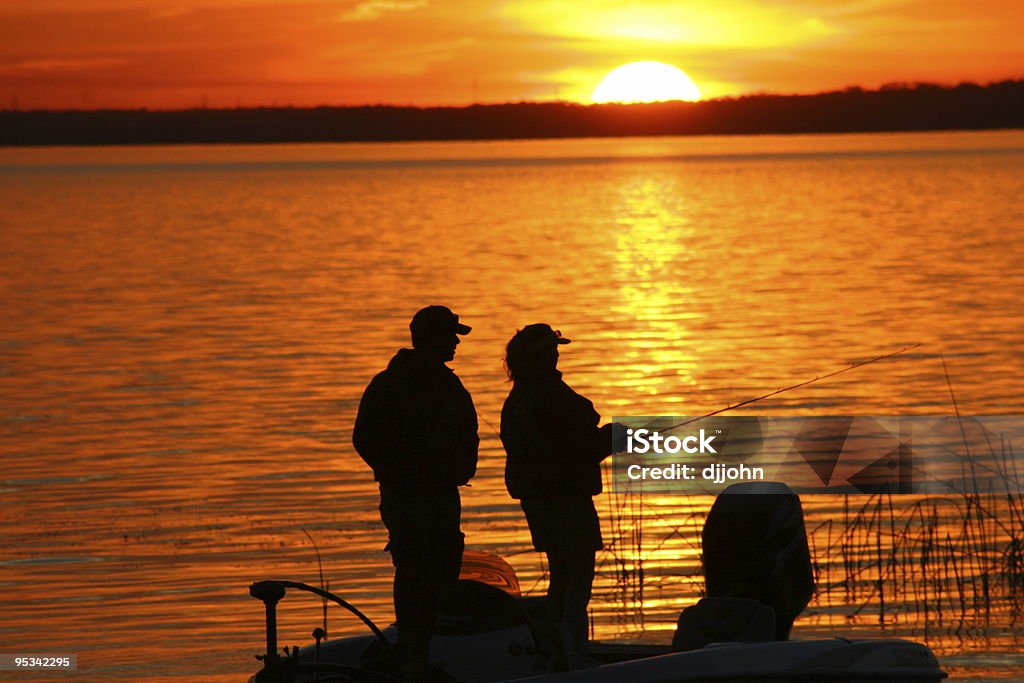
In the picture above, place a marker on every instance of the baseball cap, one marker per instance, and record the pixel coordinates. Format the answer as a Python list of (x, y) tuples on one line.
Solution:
[(436, 321), (540, 335)]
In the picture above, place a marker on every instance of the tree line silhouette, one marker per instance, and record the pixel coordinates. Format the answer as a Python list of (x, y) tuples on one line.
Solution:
[(895, 107)]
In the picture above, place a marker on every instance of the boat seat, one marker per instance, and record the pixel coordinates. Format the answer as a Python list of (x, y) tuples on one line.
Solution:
[(469, 607), (719, 620)]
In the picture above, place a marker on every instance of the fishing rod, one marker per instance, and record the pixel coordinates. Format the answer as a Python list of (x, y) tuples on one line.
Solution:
[(770, 394), (819, 378)]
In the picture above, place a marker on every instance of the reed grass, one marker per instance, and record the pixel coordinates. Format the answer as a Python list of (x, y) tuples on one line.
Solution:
[(922, 562), (954, 562)]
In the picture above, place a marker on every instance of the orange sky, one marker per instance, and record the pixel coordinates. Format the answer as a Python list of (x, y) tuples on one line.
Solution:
[(184, 53)]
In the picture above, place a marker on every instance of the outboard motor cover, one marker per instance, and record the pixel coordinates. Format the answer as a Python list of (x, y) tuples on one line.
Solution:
[(755, 547), (722, 620)]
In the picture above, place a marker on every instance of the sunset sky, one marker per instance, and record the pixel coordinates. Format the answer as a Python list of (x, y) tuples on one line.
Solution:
[(186, 53)]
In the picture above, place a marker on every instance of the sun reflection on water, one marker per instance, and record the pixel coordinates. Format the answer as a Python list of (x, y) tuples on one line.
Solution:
[(651, 271)]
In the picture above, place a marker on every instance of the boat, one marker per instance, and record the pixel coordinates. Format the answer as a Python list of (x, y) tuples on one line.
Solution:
[(488, 631)]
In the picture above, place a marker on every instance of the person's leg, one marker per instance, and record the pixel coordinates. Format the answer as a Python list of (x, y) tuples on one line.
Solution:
[(558, 581), (415, 610), (447, 542), (542, 517), (440, 563), (579, 563), (577, 536), (406, 518)]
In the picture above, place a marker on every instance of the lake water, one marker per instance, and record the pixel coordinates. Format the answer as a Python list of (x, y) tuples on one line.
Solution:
[(187, 331)]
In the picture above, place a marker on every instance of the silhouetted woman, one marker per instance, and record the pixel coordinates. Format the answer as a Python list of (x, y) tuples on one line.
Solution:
[(554, 449)]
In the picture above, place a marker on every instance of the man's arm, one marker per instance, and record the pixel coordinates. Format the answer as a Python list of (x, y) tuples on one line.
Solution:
[(371, 435), (470, 456)]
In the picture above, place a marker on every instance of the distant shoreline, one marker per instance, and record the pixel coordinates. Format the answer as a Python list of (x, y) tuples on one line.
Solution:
[(903, 108)]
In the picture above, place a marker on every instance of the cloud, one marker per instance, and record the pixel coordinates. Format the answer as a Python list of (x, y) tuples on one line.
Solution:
[(374, 9), (740, 23), (55, 65)]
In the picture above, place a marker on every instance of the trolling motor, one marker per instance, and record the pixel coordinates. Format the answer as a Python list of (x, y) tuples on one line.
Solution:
[(278, 669), (757, 568), (270, 592)]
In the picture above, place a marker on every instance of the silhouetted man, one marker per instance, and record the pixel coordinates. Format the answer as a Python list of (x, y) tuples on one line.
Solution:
[(417, 429)]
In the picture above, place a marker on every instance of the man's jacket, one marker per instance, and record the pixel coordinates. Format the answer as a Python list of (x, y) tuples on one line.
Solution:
[(417, 426), (552, 442)]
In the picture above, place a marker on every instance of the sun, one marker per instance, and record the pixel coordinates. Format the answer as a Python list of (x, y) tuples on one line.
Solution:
[(645, 82)]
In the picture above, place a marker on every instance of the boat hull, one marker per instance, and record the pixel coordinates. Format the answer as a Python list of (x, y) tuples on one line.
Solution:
[(509, 655)]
